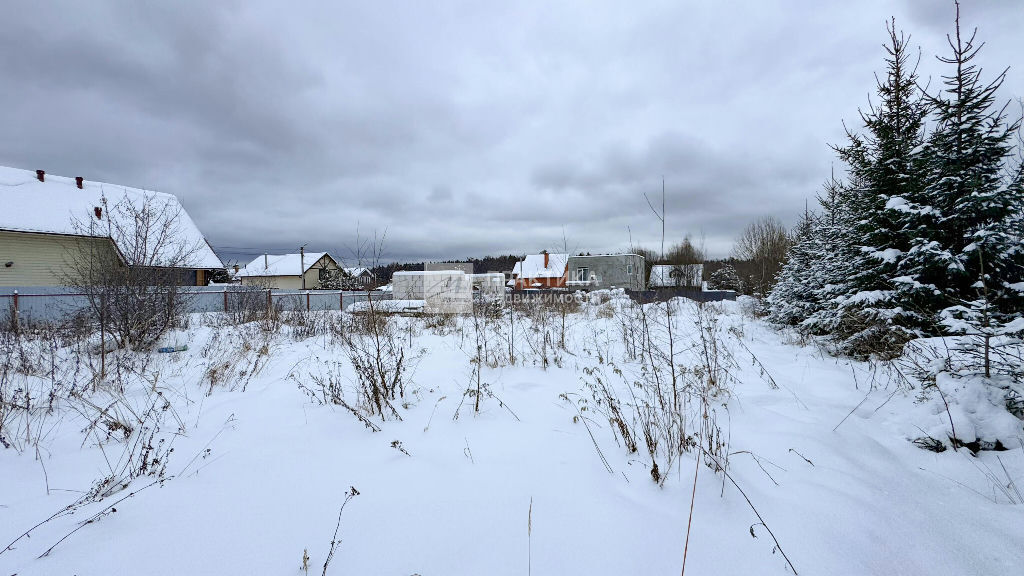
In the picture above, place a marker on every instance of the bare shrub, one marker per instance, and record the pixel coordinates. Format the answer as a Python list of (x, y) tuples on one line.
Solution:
[(486, 323), (382, 364), (325, 387), (39, 367), (144, 452), (132, 284), (248, 303), (440, 324), (489, 324), (233, 356), (544, 323), (307, 324), (145, 447), (664, 400)]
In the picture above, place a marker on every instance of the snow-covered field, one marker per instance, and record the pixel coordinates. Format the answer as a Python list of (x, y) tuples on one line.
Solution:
[(535, 482)]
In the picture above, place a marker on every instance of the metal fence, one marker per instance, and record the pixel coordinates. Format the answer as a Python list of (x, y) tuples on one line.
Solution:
[(43, 304), (664, 294)]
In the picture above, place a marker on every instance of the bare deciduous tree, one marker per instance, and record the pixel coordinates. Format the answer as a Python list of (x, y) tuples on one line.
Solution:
[(763, 244), (684, 252)]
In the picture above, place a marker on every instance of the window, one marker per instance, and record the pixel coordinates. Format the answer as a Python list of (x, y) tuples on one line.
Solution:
[(629, 269), (582, 274)]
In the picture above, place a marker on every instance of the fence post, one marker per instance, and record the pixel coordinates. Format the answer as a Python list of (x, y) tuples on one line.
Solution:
[(307, 301), (14, 313), (225, 299), (341, 300), (270, 306)]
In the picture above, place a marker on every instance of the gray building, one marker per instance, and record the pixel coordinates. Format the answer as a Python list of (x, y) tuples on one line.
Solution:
[(606, 271)]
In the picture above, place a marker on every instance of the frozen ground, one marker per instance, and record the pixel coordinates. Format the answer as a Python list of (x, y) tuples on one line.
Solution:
[(258, 471)]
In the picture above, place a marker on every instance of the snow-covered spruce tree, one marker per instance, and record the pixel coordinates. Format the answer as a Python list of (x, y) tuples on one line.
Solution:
[(832, 253), (995, 342), (885, 167), (792, 299), (967, 265), (336, 279), (726, 278)]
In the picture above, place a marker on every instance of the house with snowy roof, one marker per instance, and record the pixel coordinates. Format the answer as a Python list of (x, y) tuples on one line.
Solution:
[(542, 270), (300, 271), (359, 277), (49, 223)]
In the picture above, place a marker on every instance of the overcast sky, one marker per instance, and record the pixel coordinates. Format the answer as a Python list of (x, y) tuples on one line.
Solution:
[(462, 128)]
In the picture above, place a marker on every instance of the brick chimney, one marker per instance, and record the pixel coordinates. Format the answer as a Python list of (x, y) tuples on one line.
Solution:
[(78, 181), (41, 175), (545, 253)]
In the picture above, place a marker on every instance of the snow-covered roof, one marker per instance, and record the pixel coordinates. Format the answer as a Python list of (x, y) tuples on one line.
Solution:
[(281, 264), (606, 255), (58, 206), (533, 266), (662, 275), (356, 271), (430, 273)]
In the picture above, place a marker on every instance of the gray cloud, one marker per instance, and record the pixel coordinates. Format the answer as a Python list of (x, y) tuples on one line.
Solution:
[(460, 128)]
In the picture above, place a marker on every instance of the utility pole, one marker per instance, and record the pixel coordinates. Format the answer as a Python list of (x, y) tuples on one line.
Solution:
[(659, 215), (302, 265)]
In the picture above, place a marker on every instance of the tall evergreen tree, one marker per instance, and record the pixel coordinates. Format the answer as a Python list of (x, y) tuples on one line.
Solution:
[(886, 171), (969, 241), (792, 300), (835, 254), (925, 235)]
